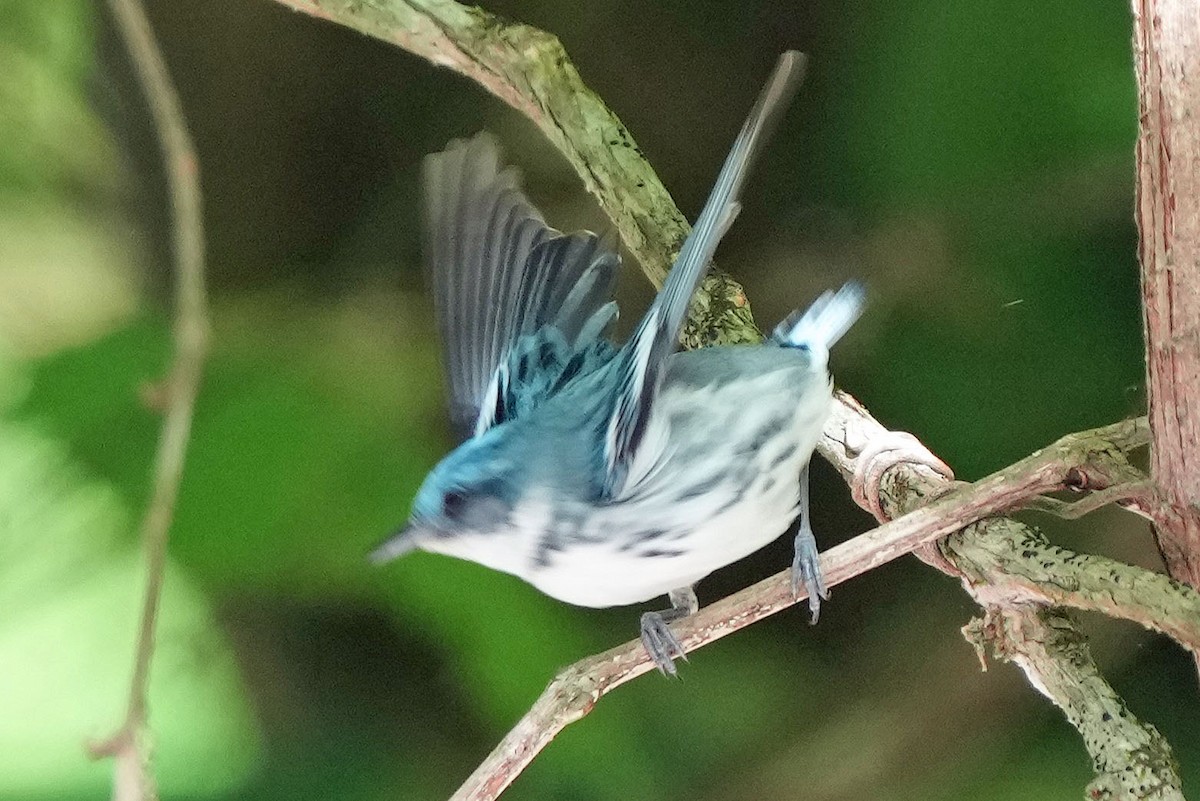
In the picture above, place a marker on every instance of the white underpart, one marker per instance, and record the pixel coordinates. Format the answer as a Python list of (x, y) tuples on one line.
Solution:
[(693, 434), (600, 574)]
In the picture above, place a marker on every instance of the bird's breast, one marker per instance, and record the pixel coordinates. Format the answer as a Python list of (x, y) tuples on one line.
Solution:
[(717, 479)]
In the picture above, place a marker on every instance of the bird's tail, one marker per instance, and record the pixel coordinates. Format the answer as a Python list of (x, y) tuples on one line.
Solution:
[(822, 324)]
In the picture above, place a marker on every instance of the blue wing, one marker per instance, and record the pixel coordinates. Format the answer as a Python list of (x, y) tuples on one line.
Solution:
[(543, 363), (510, 292), (643, 358)]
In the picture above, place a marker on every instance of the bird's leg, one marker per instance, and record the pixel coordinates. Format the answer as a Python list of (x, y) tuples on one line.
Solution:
[(806, 566), (660, 642)]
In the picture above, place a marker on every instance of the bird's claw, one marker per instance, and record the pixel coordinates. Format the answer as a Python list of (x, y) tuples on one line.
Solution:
[(806, 572), (661, 644)]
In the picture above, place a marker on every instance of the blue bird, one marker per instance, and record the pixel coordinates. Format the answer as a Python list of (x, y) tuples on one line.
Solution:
[(608, 475)]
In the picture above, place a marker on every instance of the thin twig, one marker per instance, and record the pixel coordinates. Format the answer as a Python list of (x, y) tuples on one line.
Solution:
[(575, 691), (133, 778), (1132, 496)]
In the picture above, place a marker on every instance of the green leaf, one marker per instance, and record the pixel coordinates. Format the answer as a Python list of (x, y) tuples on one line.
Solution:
[(51, 139), (71, 592)]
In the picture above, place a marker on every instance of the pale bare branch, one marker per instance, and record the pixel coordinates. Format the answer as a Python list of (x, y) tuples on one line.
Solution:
[(133, 779), (1093, 453)]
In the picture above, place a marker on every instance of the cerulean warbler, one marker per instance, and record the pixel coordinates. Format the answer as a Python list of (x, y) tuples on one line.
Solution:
[(607, 476)]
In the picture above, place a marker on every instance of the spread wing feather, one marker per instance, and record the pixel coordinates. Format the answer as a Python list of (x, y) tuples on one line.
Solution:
[(641, 362), (505, 285)]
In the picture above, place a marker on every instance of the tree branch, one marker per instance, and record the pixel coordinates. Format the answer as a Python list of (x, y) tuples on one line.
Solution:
[(889, 472), (133, 780), (1131, 759), (1167, 62), (529, 70), (1005, 562), (575, 691)]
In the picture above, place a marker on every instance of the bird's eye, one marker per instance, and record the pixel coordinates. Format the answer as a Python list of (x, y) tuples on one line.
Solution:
[(453, 503)]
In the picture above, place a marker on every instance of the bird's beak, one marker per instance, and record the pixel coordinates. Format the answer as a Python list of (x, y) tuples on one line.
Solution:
[(395, 546)]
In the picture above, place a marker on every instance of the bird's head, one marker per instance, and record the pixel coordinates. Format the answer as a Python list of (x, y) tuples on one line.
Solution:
[(464, 506)]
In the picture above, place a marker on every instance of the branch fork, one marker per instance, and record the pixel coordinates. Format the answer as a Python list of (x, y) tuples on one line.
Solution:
[(997, 559)]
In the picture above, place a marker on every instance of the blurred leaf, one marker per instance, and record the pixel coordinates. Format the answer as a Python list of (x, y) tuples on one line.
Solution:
[(983, 153), (67, 275), (71, 590), (51, 140), (298, 465)]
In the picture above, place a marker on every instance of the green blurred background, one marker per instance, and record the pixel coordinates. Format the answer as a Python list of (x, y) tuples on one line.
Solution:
[(972, 162)]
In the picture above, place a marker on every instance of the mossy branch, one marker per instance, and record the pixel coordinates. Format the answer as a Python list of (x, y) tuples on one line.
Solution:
[(890, 472), (529, 70)]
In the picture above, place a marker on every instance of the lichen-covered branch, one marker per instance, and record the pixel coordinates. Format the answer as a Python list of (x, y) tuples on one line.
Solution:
[(891, 473), (1004, 561), (1047, 575), (1131, 759), (529, 70), (1018, 577)]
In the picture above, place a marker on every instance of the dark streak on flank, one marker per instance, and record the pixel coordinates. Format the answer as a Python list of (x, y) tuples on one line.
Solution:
[(655, 553), (786, 454), (652, 534), (764, 435), (703, 488), (547, 546), (643, 537)]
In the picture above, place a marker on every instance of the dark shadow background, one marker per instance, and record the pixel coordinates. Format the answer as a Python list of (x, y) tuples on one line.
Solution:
[(973, 163)]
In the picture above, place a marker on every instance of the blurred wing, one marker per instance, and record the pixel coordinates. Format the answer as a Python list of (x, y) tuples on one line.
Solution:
[(499, 274), (571, 344), (643, 358)]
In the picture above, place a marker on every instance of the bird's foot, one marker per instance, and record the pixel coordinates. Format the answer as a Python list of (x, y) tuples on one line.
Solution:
[(661, 643), (806, 571)]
